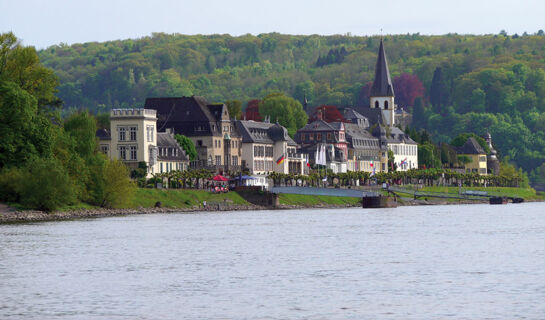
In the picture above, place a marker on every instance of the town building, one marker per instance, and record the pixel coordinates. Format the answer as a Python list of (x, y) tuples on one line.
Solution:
[(209, 126), (382, 92), (365, 152), (382, 113), (332, 136), (267, 147), (133, 139), (492, 162), (476, 156)]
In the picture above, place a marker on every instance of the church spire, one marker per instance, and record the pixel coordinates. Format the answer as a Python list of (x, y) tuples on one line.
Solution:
[(382, 86)]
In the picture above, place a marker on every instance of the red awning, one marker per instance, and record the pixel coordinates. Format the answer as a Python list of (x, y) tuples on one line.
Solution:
[(220, 178)]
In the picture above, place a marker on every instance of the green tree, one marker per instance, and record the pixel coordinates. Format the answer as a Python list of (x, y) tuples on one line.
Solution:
[(24, 133), (461, 139), (82, 128), (188, 146), (235, 108), (478, 100), (285, 110), (22, 66), (439, 94), (46, 185), (118, 187)]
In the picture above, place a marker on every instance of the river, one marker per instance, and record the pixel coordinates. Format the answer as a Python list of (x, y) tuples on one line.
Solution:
[(426, 262)]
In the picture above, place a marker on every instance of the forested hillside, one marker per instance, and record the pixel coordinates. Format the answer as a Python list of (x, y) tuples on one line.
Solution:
[(452, 83)]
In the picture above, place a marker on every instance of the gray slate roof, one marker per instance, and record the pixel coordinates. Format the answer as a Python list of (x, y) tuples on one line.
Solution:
[(470, 147), (382, 85), (166, 140), (263, 132), (184, 114), (103, 134), (355, 132)]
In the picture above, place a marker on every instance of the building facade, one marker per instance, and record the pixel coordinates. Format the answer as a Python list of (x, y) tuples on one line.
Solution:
[(133, 138), (209, 126), (330, 135), (476, 156), (268, 148)]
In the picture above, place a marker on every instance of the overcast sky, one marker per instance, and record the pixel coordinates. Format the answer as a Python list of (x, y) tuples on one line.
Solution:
[(44, 23)]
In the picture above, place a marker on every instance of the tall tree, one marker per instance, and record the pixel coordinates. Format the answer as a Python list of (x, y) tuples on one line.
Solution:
[(438, 92), (24, 132), (407, 88), (22, 66), (235, 108), (284, 110)]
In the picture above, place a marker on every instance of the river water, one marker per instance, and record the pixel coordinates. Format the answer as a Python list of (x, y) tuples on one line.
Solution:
[(428, 262)]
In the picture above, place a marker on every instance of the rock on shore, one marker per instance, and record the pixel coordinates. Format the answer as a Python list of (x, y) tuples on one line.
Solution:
[(8, 215)]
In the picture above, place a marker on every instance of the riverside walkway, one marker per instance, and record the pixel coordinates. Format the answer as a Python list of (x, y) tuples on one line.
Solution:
[(336, 192)]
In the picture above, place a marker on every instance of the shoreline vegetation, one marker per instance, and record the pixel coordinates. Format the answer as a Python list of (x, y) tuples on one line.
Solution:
[(191, 201)]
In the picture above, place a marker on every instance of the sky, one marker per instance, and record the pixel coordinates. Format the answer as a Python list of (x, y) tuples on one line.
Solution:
[(43, 23)]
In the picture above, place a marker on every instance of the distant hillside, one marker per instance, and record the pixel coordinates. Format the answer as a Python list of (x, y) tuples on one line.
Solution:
[(490, 82)]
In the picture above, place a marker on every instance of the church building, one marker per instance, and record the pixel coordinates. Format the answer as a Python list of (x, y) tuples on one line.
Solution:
[(381, 113)]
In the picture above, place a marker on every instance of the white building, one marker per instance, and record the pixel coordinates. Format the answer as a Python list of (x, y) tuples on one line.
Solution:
[(267, 147), (133, 138)]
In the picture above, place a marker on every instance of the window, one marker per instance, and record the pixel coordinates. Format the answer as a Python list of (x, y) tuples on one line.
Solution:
[(133, 152), (318, 136), (132, 133), (234, 160), (268, 151), (218, 160), (385, 104), (121, 133), (311, 136), (329, 136), (199, 143), (122, 152), (161, 167), (104, 149), (482, 171), (482, 159), (376, 104), (149, 133)]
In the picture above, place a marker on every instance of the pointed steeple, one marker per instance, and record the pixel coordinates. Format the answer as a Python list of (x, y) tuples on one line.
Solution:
[(382, 86)]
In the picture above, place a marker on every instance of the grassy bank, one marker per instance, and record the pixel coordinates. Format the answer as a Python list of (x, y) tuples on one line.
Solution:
[(526, 193), (182, 198), (307, 200)]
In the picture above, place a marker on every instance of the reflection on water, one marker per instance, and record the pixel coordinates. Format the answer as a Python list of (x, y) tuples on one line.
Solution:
[(435, 262)]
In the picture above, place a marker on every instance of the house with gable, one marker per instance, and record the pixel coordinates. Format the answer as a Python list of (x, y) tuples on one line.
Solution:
[(209, 126), (267, 147), (332, 136)]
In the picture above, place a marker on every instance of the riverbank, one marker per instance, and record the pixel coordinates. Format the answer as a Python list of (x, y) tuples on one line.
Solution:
[(151, 201)]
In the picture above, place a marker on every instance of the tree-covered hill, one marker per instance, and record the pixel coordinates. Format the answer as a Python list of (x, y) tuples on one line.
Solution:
[(470, 83)]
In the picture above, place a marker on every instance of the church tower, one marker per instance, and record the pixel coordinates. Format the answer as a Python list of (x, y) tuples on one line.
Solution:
[(382, 92)]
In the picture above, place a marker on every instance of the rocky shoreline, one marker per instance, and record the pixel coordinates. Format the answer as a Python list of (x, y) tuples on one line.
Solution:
[(13, 216), (9, 215)]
